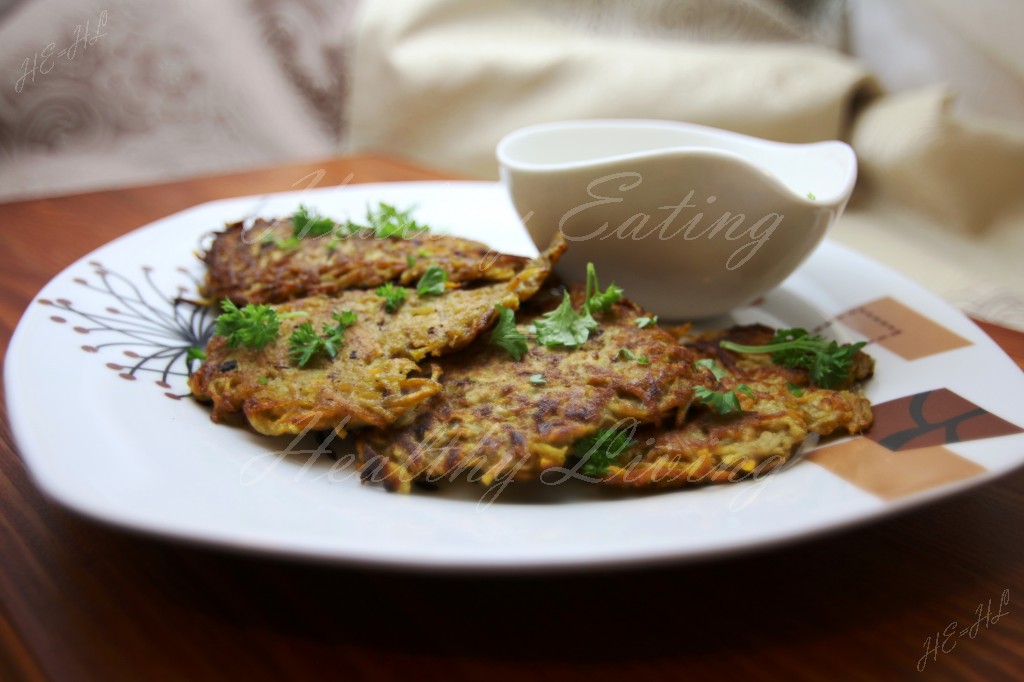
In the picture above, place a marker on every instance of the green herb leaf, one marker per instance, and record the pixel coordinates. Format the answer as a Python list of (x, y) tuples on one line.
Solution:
[(563, 326), (385, 222), (625, 354), (334, 336), (410, 260), (595, 299), (602, 449), (432, 281), (253, 326), (195, 353), (645, 322), (305, 343), (262, 380), (388, 221), (393, 296), (716, 369), (828, 362), (794, 389), (310, 224), (722, 403), (537, 379), (643, 360), (507, 336)]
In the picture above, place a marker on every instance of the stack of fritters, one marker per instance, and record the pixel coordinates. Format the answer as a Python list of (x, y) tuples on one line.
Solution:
[(490, 418), (377, 376), (427, 396)]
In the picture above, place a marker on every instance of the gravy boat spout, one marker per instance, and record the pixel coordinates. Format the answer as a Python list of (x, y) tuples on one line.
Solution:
[(691, 221)]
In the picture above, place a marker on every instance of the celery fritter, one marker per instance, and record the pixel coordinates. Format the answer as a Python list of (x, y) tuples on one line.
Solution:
[(491, 418), (780, 409), (265, 264), (375, 377)]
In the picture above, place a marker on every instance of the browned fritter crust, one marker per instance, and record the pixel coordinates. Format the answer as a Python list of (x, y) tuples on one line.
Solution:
[(374, 378), (490, 419), (775, 422), (249, 265)]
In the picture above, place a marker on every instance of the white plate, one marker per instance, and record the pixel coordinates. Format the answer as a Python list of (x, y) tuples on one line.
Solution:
[(124, 452)]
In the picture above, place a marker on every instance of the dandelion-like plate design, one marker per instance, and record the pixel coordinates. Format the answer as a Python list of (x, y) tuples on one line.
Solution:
[(155, 330)]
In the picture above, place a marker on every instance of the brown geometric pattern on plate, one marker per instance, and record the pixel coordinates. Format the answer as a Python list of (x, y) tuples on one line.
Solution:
[(904, 450), (892, 325), (937, 417), (892, 475)]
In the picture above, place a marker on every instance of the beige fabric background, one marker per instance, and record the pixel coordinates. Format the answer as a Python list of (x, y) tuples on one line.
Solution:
[(929, 92), (939, 196)]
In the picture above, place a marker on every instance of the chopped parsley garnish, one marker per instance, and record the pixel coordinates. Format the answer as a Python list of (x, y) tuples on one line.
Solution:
[(597, 300), (563, 326), (828, 362), (602, 449), (810, 195), (262, 380), (386, 221), (713, 367), (627, 354), (195, 353), (253, 326), (305, 343), (410, 260), (645, 322), (307, 224), (507, 336), (289, 242), (723, 403), (537, 379), (393, 296), (794, 389), (432, 281)]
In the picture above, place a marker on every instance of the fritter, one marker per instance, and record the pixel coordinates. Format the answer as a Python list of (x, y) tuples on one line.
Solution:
[(502, 419), (778, 414), (375, 377), (265, 264)]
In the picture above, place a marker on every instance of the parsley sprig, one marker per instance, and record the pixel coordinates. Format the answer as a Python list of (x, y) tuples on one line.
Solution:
[(432, 282), (828, 362), (310, 224), (305, 343), (602, 449), (253, 326), (722, 402), (716, 369), (563, 326), (507, 336), (393, 296), (387, 221), (383, 222)]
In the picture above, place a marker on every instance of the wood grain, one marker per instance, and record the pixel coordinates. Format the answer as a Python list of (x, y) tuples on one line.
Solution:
[(83, 601)]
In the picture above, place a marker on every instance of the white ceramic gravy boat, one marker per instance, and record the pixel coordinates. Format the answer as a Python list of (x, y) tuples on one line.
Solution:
[(691, 221)]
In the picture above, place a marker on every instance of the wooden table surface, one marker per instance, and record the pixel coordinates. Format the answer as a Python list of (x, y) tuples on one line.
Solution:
[(82, 601)]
